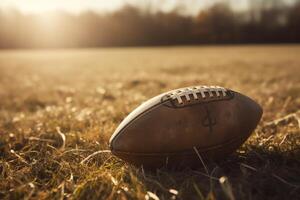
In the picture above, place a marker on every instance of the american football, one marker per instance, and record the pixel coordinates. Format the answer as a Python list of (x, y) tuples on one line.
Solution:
[(184, 126)]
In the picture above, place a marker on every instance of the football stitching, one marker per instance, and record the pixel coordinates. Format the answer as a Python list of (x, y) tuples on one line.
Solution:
[(194, 91)]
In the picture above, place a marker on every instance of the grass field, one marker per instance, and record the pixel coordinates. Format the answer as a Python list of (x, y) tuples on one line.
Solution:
[(59, 107)]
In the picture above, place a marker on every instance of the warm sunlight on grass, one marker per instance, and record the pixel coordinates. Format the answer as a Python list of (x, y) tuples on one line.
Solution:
[(58, 107), (71, 70)]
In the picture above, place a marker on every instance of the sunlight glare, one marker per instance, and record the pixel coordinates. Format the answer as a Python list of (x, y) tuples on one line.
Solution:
[(74, 6)]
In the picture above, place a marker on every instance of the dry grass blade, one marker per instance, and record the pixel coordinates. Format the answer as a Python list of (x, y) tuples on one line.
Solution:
[(248, 166), (284, 181), (63, 137), (62, 190), (198, 191), (226, 187), (19, 157), (208, 176), (174, 192), (40, 139), (282, 141), (286, 103), (31, 185), (151, 195), (74, 150), (205, 167), (284, 120), (202, 161), (113, 180), (94, 154)]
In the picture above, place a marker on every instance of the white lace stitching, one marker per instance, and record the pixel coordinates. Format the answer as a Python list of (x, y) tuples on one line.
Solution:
[(202, 90)]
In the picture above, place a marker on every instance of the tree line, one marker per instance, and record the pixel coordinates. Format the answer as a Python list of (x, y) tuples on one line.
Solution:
[(265, 21)]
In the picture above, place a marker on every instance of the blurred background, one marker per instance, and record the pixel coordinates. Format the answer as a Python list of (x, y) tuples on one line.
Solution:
[(92, 23)]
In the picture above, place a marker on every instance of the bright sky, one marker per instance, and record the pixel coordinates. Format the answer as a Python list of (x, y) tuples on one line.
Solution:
[(77, 6)]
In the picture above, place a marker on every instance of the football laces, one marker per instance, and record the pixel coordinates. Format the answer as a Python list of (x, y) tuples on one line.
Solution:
[(203, 91)]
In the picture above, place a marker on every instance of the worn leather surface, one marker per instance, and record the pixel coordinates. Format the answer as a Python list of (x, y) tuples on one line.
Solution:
[(157, 130), (178, 160)]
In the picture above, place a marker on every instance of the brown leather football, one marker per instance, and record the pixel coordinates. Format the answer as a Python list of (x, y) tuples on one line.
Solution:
[(184, 126)]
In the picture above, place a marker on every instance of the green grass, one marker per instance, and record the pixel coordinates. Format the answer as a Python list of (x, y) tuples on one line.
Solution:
[(59, 107)]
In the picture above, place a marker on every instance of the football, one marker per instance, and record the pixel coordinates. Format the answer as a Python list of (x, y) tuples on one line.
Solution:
[(185, 127)]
